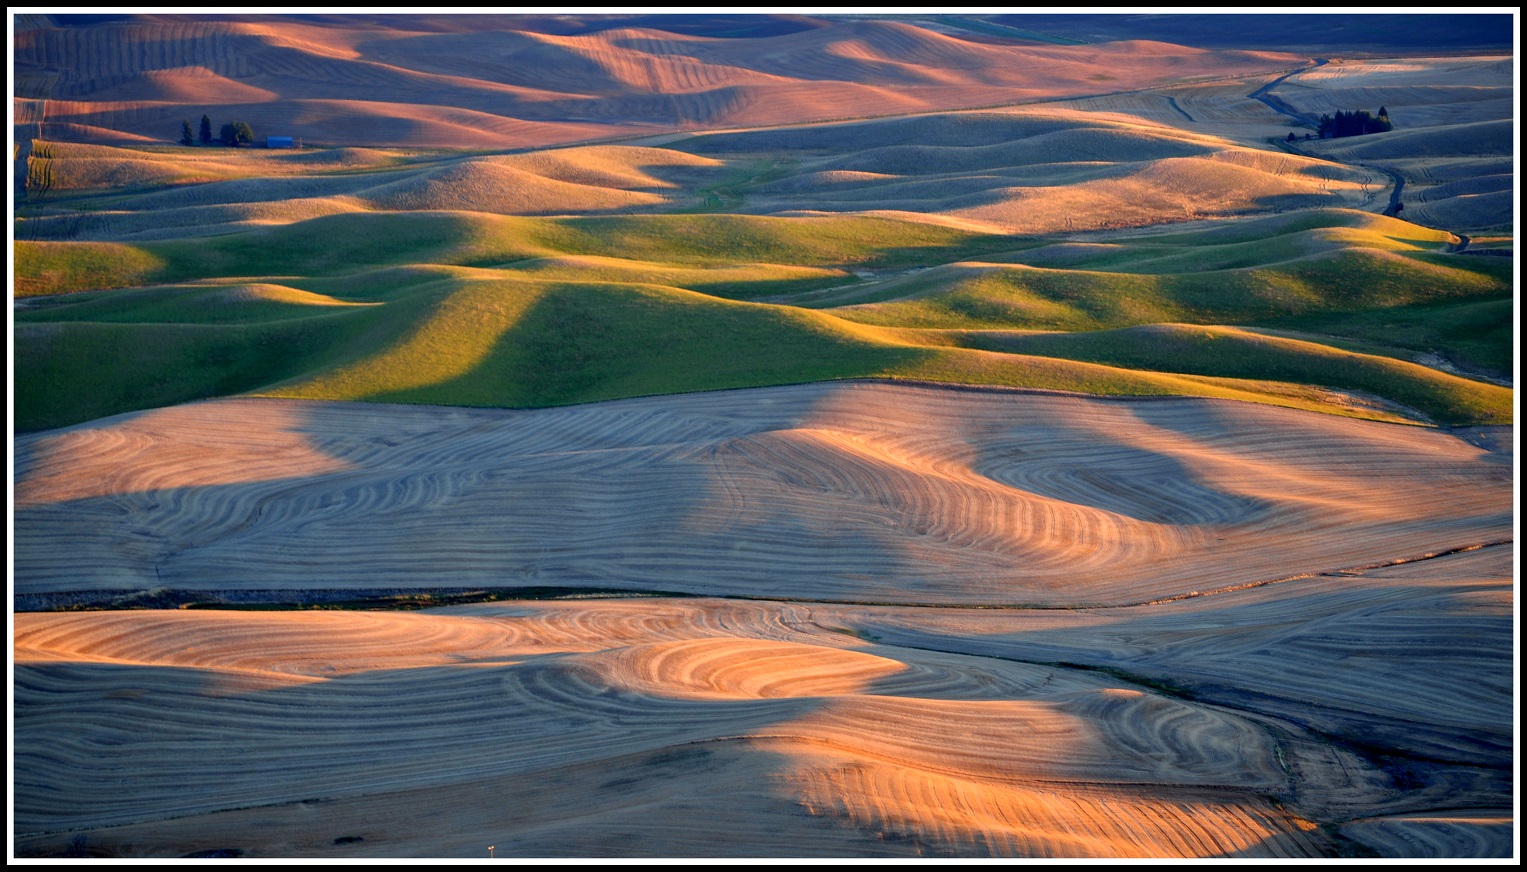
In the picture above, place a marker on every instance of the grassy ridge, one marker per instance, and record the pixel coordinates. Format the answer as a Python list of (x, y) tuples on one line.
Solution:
[(487, 310), (1008, 296), (1284, 266), (530, 343), (194, 304), (741, 282), (537, 344), (1478, 335), (61, 267), (1236, 353), (347, 243), (72, 372)]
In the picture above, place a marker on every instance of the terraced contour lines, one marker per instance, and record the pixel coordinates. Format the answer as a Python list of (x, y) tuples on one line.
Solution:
[(840, 491)]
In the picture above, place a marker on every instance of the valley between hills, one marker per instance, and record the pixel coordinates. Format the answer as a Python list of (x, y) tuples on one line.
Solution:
[(797, 436)]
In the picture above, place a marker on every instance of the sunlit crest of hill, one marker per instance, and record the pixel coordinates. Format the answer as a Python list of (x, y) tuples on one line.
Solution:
[(497, 84), (1032, 171)]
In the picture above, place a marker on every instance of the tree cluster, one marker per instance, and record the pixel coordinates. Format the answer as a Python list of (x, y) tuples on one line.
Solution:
[(234, 133), (1354, 123)]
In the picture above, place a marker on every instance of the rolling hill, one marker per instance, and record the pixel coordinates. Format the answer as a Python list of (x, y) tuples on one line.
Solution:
[(761, 435)]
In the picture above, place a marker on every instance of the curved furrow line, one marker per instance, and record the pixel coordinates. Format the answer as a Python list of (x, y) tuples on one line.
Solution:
[(731, 668), (575, 626), (94, 55), (1142, 484), (920, 747), (970, 817), (840, 492), (333, 522), (1193, 740), (1026, 740), (184, 749), (775, 622), (51, 470), (1467, 832), (833, 482), (1408, 663), (182, 446), (272, 642), (591, 704)]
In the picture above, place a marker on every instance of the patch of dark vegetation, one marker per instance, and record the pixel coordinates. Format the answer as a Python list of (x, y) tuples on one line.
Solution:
[(215, 854), (349, 840), (862, 635), (1358, 123)]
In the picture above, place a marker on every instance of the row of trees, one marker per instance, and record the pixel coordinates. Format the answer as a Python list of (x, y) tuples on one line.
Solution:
[(234, 133), (1354, 123)]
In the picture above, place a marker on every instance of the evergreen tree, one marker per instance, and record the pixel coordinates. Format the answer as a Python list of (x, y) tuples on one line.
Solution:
[(186, 137), (206, 130)]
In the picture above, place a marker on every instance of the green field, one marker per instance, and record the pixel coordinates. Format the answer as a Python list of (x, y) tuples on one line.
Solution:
[(1324, 309)]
